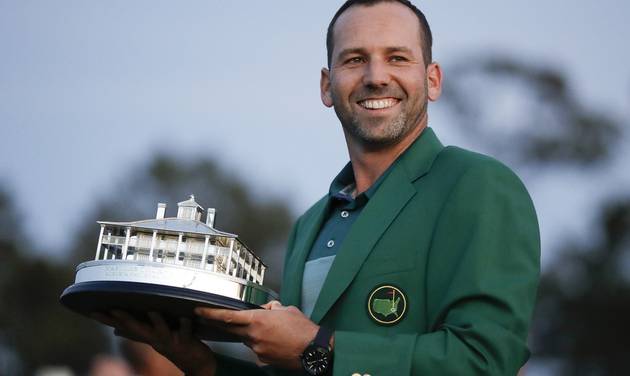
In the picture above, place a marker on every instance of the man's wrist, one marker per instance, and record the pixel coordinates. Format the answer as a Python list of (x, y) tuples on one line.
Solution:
[(317, 358)]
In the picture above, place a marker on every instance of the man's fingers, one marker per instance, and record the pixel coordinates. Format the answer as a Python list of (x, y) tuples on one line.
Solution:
[(123, 325), (160, 326), (129, 324), (292, 309), (239, 330), (227, 316), (274, 304), (185, 328)]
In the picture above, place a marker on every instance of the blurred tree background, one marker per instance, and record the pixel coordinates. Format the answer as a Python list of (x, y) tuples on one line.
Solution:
[(527, 116)]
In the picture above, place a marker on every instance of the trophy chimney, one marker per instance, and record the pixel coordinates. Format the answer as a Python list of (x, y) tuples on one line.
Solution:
[(161, 210), (210, 218)]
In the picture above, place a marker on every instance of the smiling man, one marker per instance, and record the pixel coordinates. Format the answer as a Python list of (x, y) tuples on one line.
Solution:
[(379, 81), (421, 260)]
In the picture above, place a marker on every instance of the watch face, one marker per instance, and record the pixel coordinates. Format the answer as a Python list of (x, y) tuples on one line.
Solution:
[(316, 360)]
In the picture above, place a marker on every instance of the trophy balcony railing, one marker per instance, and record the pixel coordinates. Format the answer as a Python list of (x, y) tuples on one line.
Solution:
[(195, 254)]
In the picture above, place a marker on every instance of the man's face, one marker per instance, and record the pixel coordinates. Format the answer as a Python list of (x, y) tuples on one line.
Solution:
[(377, 81)]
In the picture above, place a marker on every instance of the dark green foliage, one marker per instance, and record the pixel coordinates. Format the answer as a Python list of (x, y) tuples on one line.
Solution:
[(32, 321), (33, 325), (582, 317)]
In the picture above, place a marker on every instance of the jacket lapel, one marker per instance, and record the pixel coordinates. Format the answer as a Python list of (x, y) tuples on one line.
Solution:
[(307, 232), (379, 212), (390, 198)]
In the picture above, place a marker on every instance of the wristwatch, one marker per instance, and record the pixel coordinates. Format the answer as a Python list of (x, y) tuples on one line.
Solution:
[(317, 358)]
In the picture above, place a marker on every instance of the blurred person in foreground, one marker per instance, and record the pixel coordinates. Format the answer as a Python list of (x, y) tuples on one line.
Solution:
[(145, 361), (138, 359), (106, 365), (421, 260)]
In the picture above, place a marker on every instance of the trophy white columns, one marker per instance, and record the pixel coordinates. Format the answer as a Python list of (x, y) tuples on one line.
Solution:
[(126, 246), (184, 240), (152, 244), (179, 245), (100, 242), (205, 252)]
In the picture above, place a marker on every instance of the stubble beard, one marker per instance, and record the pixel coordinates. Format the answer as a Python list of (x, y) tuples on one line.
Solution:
[(373, 134)]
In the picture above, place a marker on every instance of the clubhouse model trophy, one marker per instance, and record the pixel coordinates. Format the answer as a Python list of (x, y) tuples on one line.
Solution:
[(171, 266)]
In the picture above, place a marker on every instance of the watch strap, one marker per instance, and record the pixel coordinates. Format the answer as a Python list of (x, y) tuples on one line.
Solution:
[(322, 338)]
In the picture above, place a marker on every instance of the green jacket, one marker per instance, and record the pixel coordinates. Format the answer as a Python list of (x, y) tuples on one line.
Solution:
[(456, 233)]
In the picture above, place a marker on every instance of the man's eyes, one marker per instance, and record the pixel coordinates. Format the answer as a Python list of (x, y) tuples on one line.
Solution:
[(397, 58), (361, 59), (355, 60)]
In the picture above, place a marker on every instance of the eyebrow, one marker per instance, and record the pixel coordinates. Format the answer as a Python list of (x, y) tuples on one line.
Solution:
[(350, 51), (361, 51), (399, 49)]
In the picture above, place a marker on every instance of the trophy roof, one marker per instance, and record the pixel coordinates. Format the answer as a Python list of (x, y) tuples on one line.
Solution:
[(175, 225)]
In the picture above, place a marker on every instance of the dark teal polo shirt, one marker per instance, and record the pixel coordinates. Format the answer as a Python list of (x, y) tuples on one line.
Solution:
[(342, 213)]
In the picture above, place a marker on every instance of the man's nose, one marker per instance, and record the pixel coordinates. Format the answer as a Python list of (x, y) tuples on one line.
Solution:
[(376, 74)]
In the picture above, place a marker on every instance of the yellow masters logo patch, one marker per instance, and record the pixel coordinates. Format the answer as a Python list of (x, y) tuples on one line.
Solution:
[(387, 304)]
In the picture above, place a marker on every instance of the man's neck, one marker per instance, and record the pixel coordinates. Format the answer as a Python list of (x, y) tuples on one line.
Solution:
[(369, 164)]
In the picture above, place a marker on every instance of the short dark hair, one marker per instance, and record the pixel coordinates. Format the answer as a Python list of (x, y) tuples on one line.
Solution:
[(426, 38)]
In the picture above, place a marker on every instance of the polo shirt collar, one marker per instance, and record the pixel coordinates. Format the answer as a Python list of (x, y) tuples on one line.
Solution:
[(343, 185), (416, 160)]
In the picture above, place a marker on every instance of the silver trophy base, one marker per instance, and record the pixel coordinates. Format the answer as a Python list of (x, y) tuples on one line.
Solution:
[(173, 290)]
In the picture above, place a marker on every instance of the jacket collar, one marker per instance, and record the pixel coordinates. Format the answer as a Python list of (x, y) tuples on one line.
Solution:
[(418, 158)]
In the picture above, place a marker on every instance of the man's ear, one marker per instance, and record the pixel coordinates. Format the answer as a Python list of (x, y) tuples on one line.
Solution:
[(324, 87), (434, 81)]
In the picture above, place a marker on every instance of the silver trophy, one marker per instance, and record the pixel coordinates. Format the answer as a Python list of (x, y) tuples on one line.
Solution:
[(171, 266)]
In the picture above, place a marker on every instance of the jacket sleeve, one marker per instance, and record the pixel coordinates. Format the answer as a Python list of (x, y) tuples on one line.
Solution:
[(482, 276)]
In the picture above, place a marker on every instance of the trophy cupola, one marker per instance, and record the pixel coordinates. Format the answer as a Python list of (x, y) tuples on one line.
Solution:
[(189, 209)]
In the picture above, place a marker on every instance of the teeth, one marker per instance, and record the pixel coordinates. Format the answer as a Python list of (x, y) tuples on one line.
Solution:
[(377, 104)]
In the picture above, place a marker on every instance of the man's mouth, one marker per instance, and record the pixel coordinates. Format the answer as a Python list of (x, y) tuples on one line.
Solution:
[(378, 104)]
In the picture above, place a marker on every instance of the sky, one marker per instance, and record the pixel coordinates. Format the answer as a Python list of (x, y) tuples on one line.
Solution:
[(90, 90)]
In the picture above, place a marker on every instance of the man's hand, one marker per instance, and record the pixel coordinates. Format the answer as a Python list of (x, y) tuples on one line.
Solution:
[(181, 347), (277, 334)]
